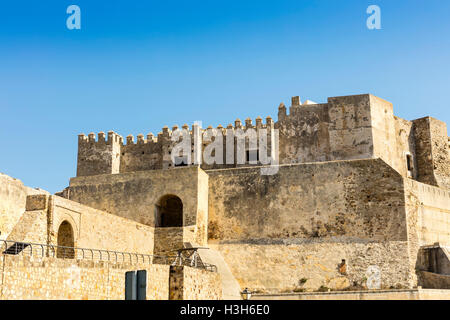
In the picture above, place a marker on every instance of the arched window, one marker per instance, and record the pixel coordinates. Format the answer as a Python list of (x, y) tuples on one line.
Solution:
[(65, 240), (169, 212)]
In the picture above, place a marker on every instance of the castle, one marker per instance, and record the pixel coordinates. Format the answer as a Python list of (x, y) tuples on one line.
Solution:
[(356, 189)]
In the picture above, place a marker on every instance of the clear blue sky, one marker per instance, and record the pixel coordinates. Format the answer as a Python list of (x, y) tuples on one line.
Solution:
[(136, 66)]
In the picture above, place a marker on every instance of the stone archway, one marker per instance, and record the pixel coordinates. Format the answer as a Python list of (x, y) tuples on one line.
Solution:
[(169, 212), (66, 241), (168, 234)]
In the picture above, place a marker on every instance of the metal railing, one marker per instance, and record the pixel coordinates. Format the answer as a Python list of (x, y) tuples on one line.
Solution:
[(191, 262), (47, 250)]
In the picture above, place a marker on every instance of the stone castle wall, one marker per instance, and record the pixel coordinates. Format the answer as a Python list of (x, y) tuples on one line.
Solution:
[(91, 228), (31, 278), (98, 157), (201, 285), (135, 196), (111, 156), (13, 195), (428, 218), (344, 128), (300, 265), (347, 189), (274, 231), (363, 199), (36, 278), (338, 130), (194, 284), (432, 152), (430, 207)]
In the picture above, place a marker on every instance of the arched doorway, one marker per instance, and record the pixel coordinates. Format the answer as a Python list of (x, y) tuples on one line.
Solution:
[(168, 234), (169, 212), (66, 241)]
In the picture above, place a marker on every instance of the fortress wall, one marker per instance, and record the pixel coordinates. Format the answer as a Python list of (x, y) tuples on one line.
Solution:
[(99, 156), (13, 196), (405, 144), (201, 285), (432, 151), (350, 127), (91, 228), (385, 134), (440, 152), (134, 195), (31, 227), (427, 216), (338, 130), (154, 153), (303, 134), (362, 199), (273, 231), (97, 229), (344, 128), (167, 240), (35, 278), (31, 278), (143, 155), (429, 208), (294, 265)]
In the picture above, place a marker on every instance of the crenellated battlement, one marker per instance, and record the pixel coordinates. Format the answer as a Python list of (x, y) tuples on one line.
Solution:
[(101, 138), (112, 154), (166, 133), (344, 128)]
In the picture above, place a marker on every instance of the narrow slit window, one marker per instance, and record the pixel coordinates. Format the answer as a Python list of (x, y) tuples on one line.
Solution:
[(409, 162)]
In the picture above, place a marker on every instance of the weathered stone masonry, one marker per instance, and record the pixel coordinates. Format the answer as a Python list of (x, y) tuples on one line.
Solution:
[(355, 184)]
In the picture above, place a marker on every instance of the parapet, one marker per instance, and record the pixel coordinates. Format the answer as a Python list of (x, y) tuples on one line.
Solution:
[(166, 134), (90, 139)]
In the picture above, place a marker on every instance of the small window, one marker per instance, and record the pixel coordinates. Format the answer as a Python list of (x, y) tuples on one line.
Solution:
[(409, 162)]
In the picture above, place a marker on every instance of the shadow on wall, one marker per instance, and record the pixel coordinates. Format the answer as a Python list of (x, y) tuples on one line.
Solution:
[(433, 267)]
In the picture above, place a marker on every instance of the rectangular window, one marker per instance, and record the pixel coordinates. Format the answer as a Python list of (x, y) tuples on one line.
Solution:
[(409, 162)]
